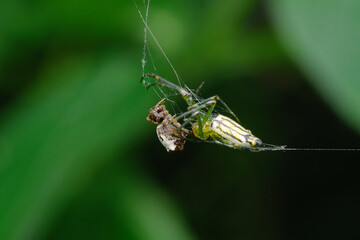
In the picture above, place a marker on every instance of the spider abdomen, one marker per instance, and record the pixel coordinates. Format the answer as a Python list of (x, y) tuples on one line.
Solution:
[(230, 132)]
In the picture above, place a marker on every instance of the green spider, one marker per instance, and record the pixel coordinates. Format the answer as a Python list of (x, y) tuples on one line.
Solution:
[(205, 124)]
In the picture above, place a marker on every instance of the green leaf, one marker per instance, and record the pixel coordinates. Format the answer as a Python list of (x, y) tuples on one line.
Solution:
[(323, 37)]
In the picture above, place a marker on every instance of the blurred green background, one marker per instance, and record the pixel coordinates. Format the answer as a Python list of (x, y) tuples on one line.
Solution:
[(79, 161)]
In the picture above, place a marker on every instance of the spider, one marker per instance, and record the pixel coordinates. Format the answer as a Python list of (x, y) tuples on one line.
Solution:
[(169, 134), (205, 124)]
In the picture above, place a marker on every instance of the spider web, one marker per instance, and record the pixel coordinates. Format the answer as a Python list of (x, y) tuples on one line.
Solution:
[(147, 59), (162, 93)]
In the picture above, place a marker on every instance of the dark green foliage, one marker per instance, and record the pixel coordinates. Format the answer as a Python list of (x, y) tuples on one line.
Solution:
[(79, 161)]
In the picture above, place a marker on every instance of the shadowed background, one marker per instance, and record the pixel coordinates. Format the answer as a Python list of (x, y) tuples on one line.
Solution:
[(79, 161)]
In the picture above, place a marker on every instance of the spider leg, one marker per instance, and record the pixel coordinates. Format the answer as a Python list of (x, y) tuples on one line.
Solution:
[(187, 121), (217, 98), (196, 109), (162, 82), (211, 101), (198, 89), (229, 109), (196, 112)]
